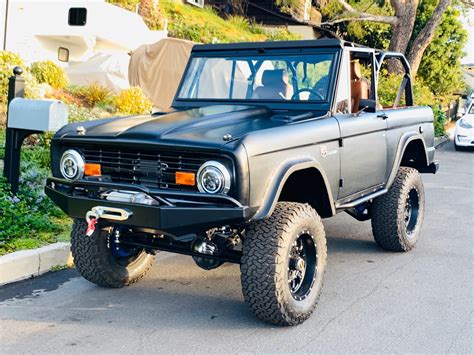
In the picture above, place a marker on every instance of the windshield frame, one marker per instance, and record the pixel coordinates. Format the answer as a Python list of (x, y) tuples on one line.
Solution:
[(264, 52)]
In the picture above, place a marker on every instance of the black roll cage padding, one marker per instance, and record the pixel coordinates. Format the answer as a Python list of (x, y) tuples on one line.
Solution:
[(400, 91)]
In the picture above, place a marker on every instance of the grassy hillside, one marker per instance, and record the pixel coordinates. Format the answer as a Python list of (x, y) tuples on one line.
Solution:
[(204, 25)]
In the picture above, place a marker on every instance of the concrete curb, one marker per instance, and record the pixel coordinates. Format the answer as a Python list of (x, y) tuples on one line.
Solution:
[(30, 263), (439, 141)]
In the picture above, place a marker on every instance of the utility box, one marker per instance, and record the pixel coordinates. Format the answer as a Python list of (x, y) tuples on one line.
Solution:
[(37, 115)]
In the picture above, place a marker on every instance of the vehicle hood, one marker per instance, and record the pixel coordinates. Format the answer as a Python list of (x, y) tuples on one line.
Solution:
[(206, 125), (469, 118)]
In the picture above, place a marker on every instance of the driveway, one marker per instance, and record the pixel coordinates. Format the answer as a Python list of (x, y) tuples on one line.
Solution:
[(372, 300)]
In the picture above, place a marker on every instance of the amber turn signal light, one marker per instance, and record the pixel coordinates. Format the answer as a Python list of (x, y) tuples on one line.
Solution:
[(92, 169), (184, 178)]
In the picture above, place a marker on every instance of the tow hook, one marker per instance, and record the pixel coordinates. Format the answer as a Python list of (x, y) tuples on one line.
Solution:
[(111, 213)]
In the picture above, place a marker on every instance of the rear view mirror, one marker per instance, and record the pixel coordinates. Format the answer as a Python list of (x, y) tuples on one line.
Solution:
[(367, 105)]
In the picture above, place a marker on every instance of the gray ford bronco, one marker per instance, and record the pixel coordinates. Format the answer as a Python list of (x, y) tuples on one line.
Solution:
[(262, 142)]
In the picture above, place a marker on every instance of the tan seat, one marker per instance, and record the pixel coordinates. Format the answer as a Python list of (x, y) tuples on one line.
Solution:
[(275, 85), (359, 87)]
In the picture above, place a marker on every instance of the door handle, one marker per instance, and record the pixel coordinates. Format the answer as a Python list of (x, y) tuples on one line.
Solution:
[(382, 116)]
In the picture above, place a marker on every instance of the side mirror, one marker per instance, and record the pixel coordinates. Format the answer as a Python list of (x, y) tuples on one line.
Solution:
[(367, 105)]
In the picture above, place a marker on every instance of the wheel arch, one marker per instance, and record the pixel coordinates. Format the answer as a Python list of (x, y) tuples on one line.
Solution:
[(411, 152), (285, 184)]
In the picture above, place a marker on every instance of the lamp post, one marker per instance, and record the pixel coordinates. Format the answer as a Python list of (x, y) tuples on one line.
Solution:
[(6, 25)]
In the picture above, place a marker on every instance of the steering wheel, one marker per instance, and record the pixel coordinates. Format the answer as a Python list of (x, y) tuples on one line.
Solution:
[(312, 92)]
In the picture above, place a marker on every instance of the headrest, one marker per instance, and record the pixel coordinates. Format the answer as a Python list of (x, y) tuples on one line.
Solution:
[(275, 76), (356, 73)]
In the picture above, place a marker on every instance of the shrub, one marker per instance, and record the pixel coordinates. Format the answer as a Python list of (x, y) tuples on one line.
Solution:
[(439, 121), (281, 34), (93, 94), (388, 87), (239, 21), (65, 96), (422, 93), (132, 101), (50, 73), (81, 114), (130, 5), (29, 214), (8, 61)]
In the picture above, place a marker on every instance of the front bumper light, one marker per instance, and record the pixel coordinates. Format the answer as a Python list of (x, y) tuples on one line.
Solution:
[(72, 165), (213, 178)]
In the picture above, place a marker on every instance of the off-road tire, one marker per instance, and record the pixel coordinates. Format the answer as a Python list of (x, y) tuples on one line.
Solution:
[(265, 264), (388, 212), (95, 262)]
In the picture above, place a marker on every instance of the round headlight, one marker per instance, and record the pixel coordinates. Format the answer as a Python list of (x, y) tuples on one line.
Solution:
[(72, 165), (213, 178)]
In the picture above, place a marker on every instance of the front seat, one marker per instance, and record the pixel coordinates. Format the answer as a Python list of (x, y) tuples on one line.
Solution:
[(274, 85), (359, 87)]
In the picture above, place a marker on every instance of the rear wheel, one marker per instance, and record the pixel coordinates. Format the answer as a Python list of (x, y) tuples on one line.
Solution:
[(283, 263), (397, 216), (101, 261)]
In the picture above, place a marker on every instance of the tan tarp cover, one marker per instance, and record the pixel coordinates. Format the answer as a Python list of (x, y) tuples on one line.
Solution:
[(157, 69)]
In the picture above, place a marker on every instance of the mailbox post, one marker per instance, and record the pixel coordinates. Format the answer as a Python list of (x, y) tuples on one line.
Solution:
[(26, 117), (14, 138)]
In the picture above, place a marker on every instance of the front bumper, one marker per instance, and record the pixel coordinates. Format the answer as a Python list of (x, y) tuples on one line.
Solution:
[(177, 212), (464, 138)]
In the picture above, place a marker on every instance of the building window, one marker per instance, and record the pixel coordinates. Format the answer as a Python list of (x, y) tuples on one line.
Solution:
[(63, 54), (77, 16), (199, 3)]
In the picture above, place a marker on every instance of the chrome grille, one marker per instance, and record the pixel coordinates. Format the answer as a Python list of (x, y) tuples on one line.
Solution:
[(151, 168)]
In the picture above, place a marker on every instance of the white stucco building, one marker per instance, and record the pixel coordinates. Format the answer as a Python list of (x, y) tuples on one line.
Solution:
[(72, 31)]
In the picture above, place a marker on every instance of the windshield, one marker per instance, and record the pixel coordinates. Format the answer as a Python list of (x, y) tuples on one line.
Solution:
[(266, 77)]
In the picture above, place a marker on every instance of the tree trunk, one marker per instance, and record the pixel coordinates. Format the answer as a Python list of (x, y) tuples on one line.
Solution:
[(402, 24), (144, 8), (425, 36), (405, 11)]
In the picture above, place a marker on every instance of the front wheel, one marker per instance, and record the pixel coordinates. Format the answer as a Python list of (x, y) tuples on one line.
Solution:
[(102, 262), (283, 262), (398, 215)]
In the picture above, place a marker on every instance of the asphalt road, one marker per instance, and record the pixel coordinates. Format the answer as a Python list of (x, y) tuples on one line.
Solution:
[(372, 300)]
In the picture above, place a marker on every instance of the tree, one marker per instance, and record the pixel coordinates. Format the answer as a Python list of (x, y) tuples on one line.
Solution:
[(402, 22), (440, 67)]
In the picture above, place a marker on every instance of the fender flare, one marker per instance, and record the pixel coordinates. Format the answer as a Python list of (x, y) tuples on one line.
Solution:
[(279, 178), (405, 139)]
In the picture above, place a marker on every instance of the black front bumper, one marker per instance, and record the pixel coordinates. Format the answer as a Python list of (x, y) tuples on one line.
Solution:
[(178, 213)]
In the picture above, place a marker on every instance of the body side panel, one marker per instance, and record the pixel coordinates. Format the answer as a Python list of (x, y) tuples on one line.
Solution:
[(404, 126), (275, 153), (364, 152)]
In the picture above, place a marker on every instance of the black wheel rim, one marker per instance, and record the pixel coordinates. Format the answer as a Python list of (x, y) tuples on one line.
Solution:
[(412, 209), (302, 266)]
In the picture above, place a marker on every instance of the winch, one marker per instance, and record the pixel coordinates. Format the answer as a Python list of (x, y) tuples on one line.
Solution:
[(104, 212), (129, 197)]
